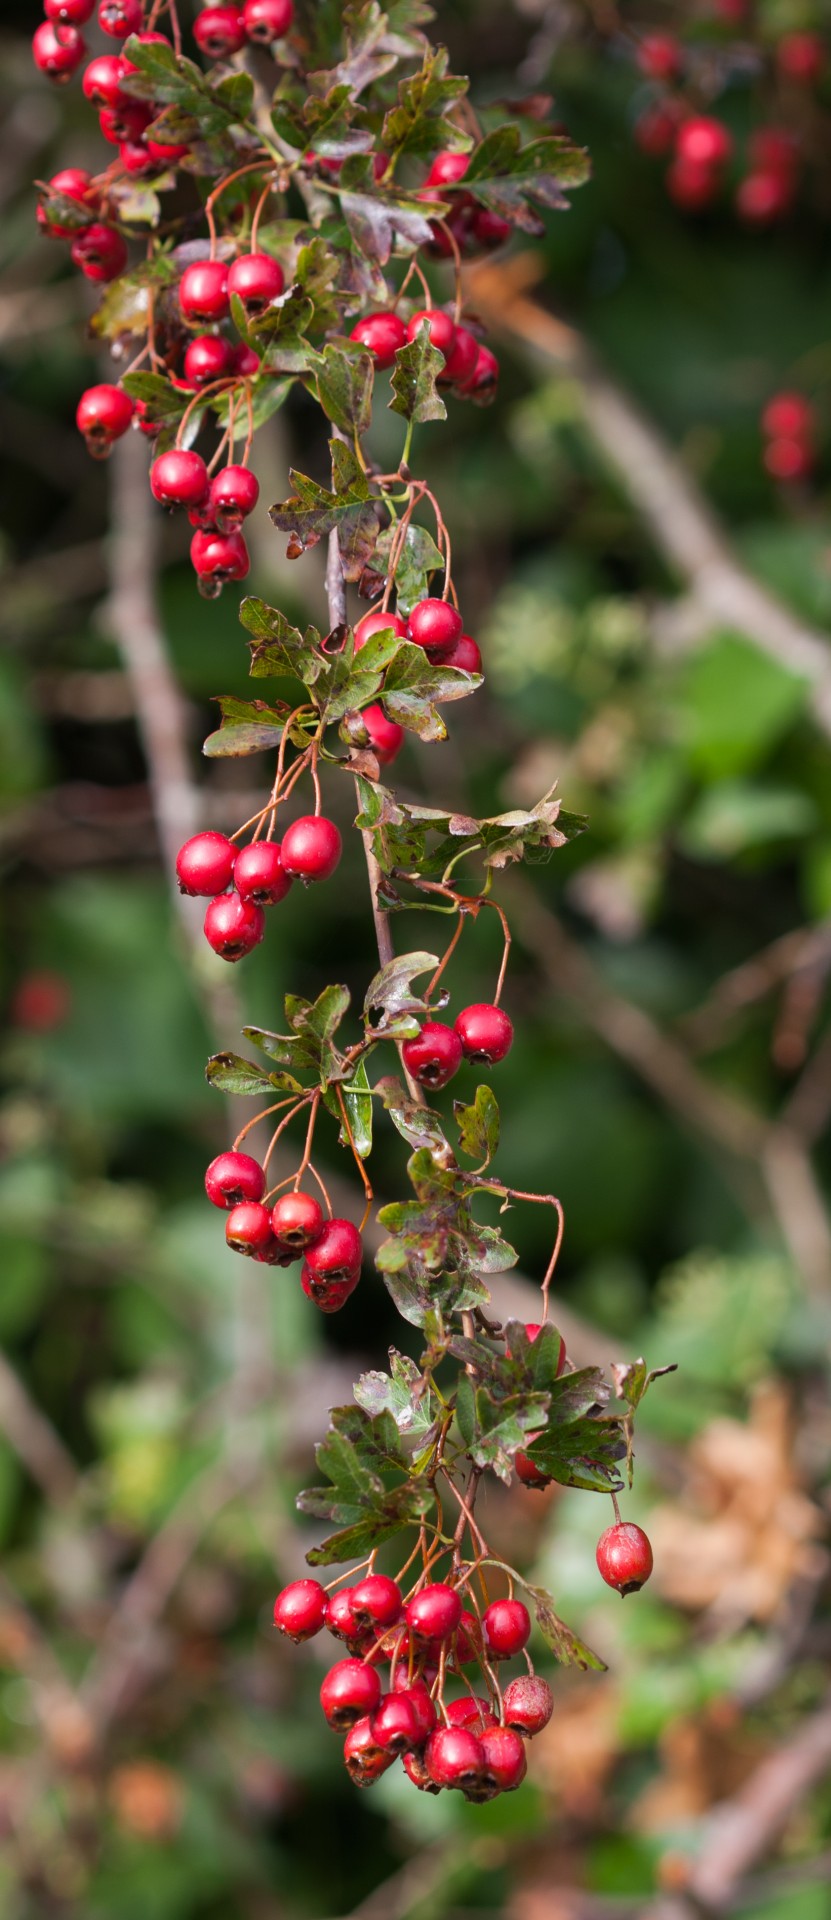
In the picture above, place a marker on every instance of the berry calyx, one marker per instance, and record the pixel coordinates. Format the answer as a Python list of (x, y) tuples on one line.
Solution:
[(395, 1724), (217, 557), (311, 847), (256, 279), (382, 333), (507, 1625), (267, 20), (624, 1557), (528, 1703), (327, 1295), (506, 1761), (365, 1760), (205, 864), (248, 1228), (485, 1032), (57, 52), (434, 1613), (179, 478), (232, 1178), (433, 1055), (259, 874), (453, 1757), (438, 324), (203, 290), (207, 358), (297, 1220), (434, 623), (336, 1256), (219, 31), (233, 927), (385, 736), (100, 252), (376, 1601), (233, 496), (300, 1609), (103, 414), (350, 1690)]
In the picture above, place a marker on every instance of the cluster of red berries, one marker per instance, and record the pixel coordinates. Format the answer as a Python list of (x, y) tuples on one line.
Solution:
[(293, 1227), (469, 227), (470, 369), (59, 47), (700, 145), (482, 1034), (788, 426), (241, 881), (435, 625)]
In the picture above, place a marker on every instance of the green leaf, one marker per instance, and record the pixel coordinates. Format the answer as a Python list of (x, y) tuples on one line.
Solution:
[(417, 367), (248, 726), (508, 176), (320, 1017), (357, 1099), (278, 647), (492, 1428), (391, 1003), (359, 1452), (230, 1073), (419, 123), (735, 703), (300, 1052), (478, 1125), (735, 817), (419, 1125), (344, 385), (314, 511), (413, 688), (565, 1645), (279, 334), (417, 560), (404, 1393)]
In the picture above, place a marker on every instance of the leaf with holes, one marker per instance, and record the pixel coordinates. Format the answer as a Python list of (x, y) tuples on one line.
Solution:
[(564, 1644), (478, 1125), (417, 368)]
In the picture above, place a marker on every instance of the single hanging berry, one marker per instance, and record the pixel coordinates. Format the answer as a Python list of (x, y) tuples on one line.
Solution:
[(434, 623), (233, 927), (507, 1625), (434, 1055), (383, 333), (233, 1177), (205, 864), (203, 290), (57, 52), (434, 1613), (529, 1704), (219, 32), (300, 1609), (297, 1220), (103, 414), (624, 1557), (454, 1758), (485, 1032), (259, 874), (311, 847), (179, 478), (267, 20), (248, 1228), (350, 1690), (256, 279)]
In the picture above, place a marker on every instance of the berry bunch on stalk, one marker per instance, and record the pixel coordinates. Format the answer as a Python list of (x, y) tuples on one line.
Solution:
[(304, 222)]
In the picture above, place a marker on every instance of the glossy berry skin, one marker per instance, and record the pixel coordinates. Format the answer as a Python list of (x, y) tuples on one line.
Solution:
[(103, 79), (297, 1220), (120, 17), (703, 141), (329, 1296), (233, 927), (340, 1618), (100, 252), (267, 20), (127, 121), (256, 279), (203, 290), (383, 333), (434, 1613), (246, 362), (365, 1760), (233, 496), (506, 1762), (788, 416), (418, 1694), (529, 1704), (434, 623), (395, 1724), (219, 556), (485, 1032), (439, 325), (134, 157), (248, 1227), (468, 1644), (259, 874), (68, 13), (377, 621), (488, 229), (207, 358), (233, 1177), (219, 31), (472, 1713), (454, 1757), (179, 478), (205, 864), (300, 1609), (789, 459), (507, 1625), (529, 1473), (165, 153), (624, 1557), (481, 388), (385, 736), (376, 1601), (350, 1690), (801, 57), (433, 1055), (336, 1255), (103, 414), (460, 364), (311, 847), (57, 52), (464, 655), (447, 169)]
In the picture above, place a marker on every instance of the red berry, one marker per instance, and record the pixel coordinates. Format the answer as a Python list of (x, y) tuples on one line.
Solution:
[(473, 1713), (464, 654), (217, 557), (311, 847), (73, 183), (365, 1760), (267, 20), (165, 153), (434, 1055), (41, 1002), (350, 1689), (460, 365), (434, 623), (203, 290), (801, 57), (624, 1557), (788, 416), (233, 1177), (377, 621), (179, 478), (103, 414), (774, 150), (103, 79), (655, 129), (385, 736), (100, 252), (68, 13), (416, 1771), (395, 1724), (703, 141), (233, 926), (507, 1625), (691, 186), (468, 1639), (207, 358), (125, 122), (219, 31), (246, 362), (528, 1703), (256, 279), (788, 459), (383, 333), (205, 864), (297, 1220), (327, 1295), (120, 17), (336, 1255), (482, 385), (300, 1609), (418, 1694), (506, 1762), (439, 326), (762, 198), (659, 56), (259, 874), (134, 157), (234, 494), (376, 1601), (248, 1227), (454, 1758), (485, 1032), (434, 1613), (340, 1618), (529, 1473), (488, 229), (57, 53), (447, 168)]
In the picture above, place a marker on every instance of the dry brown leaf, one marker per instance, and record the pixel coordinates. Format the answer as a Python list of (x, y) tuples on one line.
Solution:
[(705, 1758), (577, 1752)]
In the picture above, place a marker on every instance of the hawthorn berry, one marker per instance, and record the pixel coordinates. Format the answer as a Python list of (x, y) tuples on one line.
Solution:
[(528, 1703), (217, 557), (703, 141), (102, 84), (205, 864), (134, 157), (120, 17), (433, 1055), (327, 1295), (378, 620), (233, 1177), (383, 333), (267, 20), (416, 1771), (259, 874), (248, 1227), (468, 1644), (128, 121), (507, 1625), (340, 1618), (801, 57), (439, 326), (506, 1762), (529, 1472), (464, 655), (434, 1613), (624, 1557), (447, 168), (203, 290), (693, 187), (659, 56), (311, 847), (336, 1255), (165, 153), (72, 183), (460, 365), (418, 1694), (453, 1757), (473, 1713), (376, 1601), (764, 197), (68, 13), (434, 623), (395, 1724), (207, 358), (100, 251), (297, 1220), (385, 736), (488, 229), (179, 478), (788, 459), (485, 1032), (219, 31), (103, 414), (300, 1609), (57, 52), (233, 496), (246, 362), (788, 416), (256, 279), (233, 927), (350, 1690), (365, 1760)]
